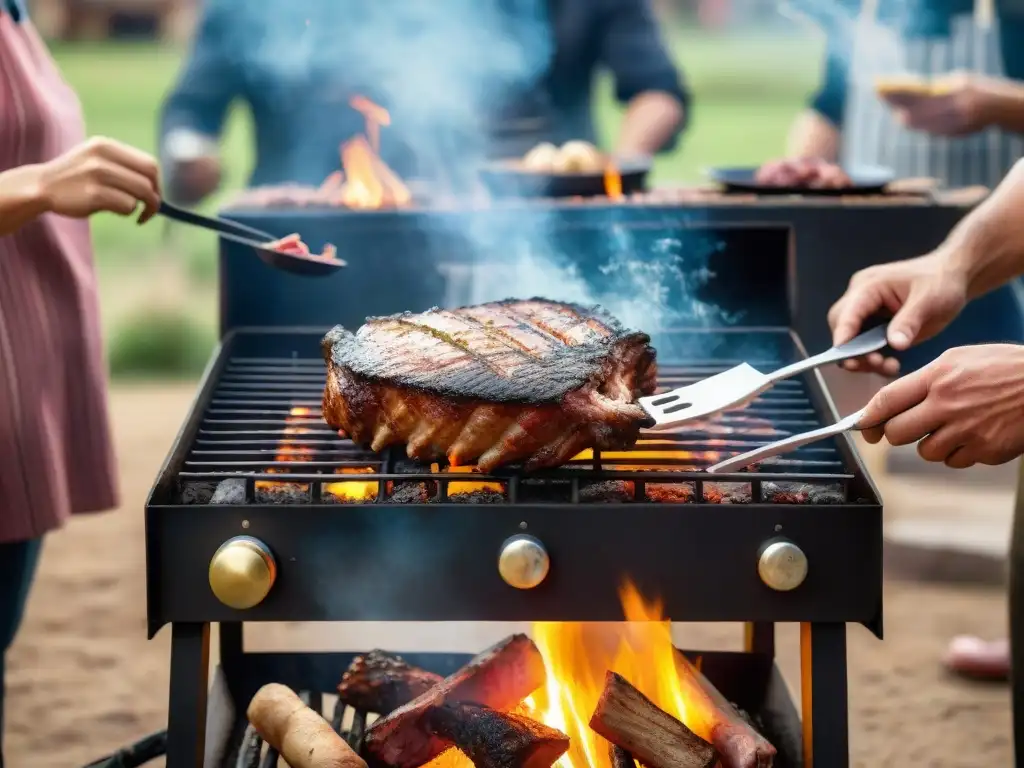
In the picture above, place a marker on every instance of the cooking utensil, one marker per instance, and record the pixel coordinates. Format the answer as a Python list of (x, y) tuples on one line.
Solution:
[(864, 180), (791, 443), (738, 385), (508, 178), (299, 264)]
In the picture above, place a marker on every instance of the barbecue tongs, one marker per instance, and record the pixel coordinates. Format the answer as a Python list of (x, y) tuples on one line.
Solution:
[(790, 443), (738, 386), (256, 239)]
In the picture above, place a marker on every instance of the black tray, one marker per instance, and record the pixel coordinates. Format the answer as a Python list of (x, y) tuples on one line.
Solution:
[(507, 178), (866, 180)]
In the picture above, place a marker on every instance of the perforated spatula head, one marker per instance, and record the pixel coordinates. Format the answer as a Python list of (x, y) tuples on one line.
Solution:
[(738, 386)]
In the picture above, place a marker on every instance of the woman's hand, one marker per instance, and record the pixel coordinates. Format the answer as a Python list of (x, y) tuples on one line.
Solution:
[(924, 295), (963, 103), (965, 407), (100, 175)]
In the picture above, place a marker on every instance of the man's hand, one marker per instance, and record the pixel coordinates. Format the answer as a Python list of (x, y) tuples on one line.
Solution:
[(924, 295), (959, 104), (965, 408)]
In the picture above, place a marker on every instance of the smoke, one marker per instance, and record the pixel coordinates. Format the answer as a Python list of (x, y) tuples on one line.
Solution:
[(444, 70)]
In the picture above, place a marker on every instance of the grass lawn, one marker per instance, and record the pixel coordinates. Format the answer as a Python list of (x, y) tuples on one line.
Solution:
[(746, 92)]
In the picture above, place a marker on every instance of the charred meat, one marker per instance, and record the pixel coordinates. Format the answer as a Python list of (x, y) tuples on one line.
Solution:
[(531, 381), (807, 172)]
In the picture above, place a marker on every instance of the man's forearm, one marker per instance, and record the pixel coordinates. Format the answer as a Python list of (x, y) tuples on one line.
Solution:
[(651, 120), (987, 246), (21, 197), (812, 135)]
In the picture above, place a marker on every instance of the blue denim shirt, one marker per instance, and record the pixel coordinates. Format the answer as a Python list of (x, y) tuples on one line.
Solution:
[(448, 78)]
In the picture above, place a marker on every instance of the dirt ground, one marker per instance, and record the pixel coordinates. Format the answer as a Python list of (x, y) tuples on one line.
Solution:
[(83, 679)]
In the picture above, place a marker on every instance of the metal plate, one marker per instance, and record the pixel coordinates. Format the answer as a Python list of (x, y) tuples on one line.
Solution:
[(867, 180), (507, 178)]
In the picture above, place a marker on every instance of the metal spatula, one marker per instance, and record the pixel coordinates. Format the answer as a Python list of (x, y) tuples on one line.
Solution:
[(788, 444), (738, 385)]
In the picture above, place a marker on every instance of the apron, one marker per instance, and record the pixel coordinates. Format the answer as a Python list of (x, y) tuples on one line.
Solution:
[(873, 136)]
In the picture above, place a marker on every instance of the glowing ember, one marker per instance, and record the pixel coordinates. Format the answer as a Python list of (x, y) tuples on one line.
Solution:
[(612, 182), (354, 490), (472, 487), (289, 451), (577, 656), (651, 453)]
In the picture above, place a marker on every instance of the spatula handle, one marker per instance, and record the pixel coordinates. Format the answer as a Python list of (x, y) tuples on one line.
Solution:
[(858, 346), (788, 444)]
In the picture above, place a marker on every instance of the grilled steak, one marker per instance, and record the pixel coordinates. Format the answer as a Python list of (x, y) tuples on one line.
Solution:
[(530, 381), (381, 682)]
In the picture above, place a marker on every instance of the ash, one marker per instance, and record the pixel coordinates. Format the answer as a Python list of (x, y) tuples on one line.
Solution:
[(803, 493)]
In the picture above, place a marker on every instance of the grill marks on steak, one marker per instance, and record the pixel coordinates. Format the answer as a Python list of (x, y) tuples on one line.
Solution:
[(530, 380)]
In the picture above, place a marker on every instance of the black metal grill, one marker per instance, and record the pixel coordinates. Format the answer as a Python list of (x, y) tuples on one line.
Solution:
[(265, 408)]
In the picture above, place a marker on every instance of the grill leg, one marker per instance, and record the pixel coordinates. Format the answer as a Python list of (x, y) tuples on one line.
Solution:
[(824, 695), (186, 717), (759, 637), (1016, 600)]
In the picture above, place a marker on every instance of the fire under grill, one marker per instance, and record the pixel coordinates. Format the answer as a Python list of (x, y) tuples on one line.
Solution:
[(332, 532)]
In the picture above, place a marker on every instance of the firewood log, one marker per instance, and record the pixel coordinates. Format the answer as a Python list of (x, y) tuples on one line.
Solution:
[(630, 720), (300, 735), (499, 678), (381, 682), (620, 757), (739, 745), (493, 739)]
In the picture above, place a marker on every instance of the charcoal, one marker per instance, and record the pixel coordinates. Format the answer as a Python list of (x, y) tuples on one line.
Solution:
[(381, 682), (607, 492), (413, 493), (802, 493), (230, 491), (285, 493), (477, 497), (497, 739), (198, 492)]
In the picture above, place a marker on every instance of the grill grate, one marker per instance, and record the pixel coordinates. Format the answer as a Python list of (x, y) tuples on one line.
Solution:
[(262, 428)]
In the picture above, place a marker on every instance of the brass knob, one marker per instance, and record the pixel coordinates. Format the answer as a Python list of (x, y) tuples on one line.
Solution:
[(523, 562), (782, 565), (242, 571)]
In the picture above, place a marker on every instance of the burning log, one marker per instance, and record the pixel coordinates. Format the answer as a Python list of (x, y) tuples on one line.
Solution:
[(493, 739), (500, 678), (739, 745), (381, 682), (300, 735), (630, 720), (620, 757)]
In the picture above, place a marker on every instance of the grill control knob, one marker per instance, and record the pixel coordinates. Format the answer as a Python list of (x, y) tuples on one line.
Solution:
[(782, 565), (242, 572), (523, 562)]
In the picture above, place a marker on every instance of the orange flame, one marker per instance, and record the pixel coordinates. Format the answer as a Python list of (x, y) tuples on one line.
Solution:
[(288, 451), (375, 115), (368, 182), (454, 488), (353, 490), (612, 182), (577, 656)]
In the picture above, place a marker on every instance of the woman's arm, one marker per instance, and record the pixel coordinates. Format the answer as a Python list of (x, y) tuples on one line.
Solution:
[(21, 197), (99, 175), (816, 132)]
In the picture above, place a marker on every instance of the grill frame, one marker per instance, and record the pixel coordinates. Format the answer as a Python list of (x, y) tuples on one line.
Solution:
[(181, 538)]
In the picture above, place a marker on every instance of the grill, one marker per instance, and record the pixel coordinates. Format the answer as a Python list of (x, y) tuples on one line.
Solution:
[(255, 464)]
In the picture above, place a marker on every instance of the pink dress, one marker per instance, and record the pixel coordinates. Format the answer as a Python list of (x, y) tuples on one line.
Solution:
[(56, 456)]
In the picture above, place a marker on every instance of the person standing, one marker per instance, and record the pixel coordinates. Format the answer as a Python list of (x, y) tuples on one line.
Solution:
[(54, 436), (969, 131), (521, 72)]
